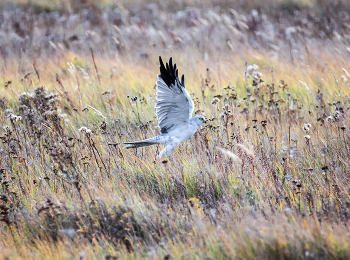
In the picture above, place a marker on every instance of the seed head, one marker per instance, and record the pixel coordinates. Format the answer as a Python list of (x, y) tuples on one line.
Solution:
[(336, 115), (343, 78), (86, 131), (306, 127), (256, 75), (329, 119), (13, 117), (215, 101), (82, 129), (107, 92)]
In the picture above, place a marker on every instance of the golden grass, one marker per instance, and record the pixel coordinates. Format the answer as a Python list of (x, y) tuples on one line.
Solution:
[(188, 161), (69, 194)]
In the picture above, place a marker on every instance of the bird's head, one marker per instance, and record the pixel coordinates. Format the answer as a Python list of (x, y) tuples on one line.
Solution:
[(198, 120)]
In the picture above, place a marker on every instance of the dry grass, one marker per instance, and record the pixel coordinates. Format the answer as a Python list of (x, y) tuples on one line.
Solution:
[(69, 84)]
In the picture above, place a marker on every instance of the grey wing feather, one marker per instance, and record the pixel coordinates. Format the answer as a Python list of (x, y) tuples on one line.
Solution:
[(174, 104)]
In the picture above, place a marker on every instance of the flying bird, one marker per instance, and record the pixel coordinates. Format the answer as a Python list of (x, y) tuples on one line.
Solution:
[(174, 110)]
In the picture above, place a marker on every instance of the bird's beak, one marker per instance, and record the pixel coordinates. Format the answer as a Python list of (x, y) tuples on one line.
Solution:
[(205, 121)]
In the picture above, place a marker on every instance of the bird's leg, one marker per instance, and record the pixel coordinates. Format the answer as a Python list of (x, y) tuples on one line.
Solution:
[(167, 149), (155, 159)]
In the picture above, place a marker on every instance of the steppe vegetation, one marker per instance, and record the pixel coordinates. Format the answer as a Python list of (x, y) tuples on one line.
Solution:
[(266, 178)]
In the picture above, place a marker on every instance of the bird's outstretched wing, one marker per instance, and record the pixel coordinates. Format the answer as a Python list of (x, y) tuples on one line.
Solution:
[(174, 104)]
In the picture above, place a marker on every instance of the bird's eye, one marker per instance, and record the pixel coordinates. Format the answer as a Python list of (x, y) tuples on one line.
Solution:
[(201, 119)]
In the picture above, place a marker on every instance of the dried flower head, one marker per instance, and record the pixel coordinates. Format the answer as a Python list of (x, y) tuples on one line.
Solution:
[(85, 130), (336, 115), (343, 79), (82, 129), (13, 117), (252, 68), (306, 127), (25, 99), (215, 101), (107, 92), (256, 75), (225, 108), (329, 119)]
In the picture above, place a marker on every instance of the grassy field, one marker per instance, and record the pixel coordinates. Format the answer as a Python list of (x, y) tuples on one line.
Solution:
[(266, 178)]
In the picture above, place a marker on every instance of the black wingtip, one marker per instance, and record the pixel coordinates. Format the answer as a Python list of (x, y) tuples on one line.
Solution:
[(183, 80), (161, 64), (171, 66), (169, 72)]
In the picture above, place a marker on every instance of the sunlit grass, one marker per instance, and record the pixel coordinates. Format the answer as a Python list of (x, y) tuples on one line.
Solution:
[(68, 193)]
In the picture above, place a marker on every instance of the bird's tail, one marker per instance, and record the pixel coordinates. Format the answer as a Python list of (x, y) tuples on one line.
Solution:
[(142, 143)]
